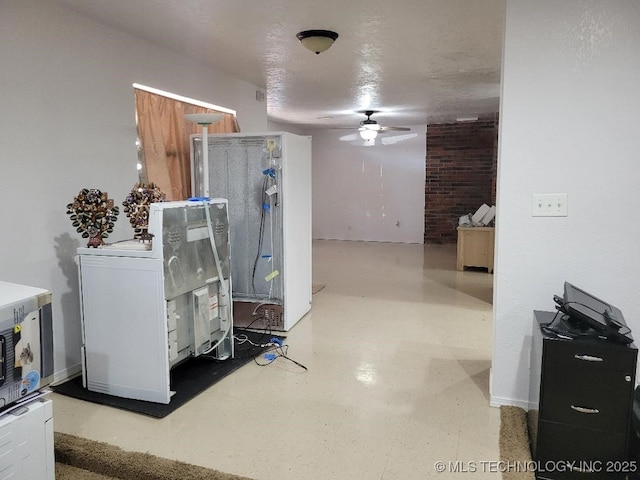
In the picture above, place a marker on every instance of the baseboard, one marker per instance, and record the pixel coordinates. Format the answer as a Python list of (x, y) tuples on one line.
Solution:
[(66, 374), (496, 401)]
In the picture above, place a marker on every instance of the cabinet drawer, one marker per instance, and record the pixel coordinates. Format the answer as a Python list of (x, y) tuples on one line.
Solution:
[(596, 355), (568, 448), (597, 400), (587, 384)]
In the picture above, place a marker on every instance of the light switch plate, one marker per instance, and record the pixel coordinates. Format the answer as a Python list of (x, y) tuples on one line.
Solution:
[(549, 205)]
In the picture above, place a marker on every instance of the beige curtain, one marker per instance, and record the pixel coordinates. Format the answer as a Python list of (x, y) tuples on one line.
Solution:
[(164, 140)]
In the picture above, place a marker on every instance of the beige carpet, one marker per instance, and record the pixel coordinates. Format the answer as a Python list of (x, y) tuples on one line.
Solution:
[(515, 453), (82, 459), (67, 472), (316, 287)]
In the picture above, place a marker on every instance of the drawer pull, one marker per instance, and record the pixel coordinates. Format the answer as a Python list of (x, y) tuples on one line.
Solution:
[(589, 358), (584, 409)]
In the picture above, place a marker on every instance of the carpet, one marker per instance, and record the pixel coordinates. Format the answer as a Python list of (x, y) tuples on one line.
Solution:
[(187, 380), (316, 287), (82, 459), (514, 444)]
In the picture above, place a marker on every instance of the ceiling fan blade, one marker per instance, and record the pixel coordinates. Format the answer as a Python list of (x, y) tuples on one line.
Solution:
[(397, 138), (395, 129), (349, 137)]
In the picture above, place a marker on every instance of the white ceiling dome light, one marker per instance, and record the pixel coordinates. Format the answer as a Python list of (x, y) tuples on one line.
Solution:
[(317, 41)]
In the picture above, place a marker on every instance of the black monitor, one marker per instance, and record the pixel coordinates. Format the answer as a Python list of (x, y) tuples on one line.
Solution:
[(584, 308)]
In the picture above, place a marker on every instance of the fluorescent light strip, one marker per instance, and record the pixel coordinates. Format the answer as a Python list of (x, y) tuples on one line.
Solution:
[(184, 99)]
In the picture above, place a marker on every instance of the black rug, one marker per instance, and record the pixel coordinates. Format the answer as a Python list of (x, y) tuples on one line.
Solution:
[(187, 379)]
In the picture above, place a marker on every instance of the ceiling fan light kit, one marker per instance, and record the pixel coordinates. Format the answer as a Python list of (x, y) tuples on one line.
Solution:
[(368, 133), (317, 41)]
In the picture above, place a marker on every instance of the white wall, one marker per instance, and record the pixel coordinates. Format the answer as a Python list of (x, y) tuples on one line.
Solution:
[(68, 123), (288, 127), (371, 193), (569, 123)]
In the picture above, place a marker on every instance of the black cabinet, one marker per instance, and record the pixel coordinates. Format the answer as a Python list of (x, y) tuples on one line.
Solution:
[(580, 402)]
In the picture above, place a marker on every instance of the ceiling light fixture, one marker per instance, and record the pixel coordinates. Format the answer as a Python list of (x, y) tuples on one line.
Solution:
[(368, 134), (317, 41)]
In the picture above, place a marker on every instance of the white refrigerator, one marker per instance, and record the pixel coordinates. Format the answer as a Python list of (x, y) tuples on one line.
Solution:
[(266, 178)]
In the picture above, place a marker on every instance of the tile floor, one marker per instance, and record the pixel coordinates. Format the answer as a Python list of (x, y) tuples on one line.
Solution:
[(398, 347)]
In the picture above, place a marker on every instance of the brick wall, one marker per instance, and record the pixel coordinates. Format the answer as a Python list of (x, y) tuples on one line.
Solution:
[(460, 174)]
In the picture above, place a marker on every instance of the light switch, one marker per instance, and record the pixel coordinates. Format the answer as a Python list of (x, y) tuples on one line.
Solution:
[(549, 205)]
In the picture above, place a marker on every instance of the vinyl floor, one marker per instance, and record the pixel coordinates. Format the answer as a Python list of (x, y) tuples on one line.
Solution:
[(398, 351)]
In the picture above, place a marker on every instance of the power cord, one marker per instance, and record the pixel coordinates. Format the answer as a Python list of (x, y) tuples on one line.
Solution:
[(264, 327), (243, 338), (556, 328), (280, 352), (224, 289), (275, 348), (245, 346)]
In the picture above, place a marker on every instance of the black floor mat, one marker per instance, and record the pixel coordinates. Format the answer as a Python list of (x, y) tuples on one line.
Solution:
[(187, 380)]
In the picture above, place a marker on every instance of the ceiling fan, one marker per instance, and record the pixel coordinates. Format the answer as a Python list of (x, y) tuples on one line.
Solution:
[(369, 129)]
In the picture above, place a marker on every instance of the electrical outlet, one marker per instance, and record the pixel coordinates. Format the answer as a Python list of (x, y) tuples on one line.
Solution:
[(549, 205)]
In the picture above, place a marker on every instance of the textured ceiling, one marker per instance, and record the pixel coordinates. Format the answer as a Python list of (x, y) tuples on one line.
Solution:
[(416, 61)]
